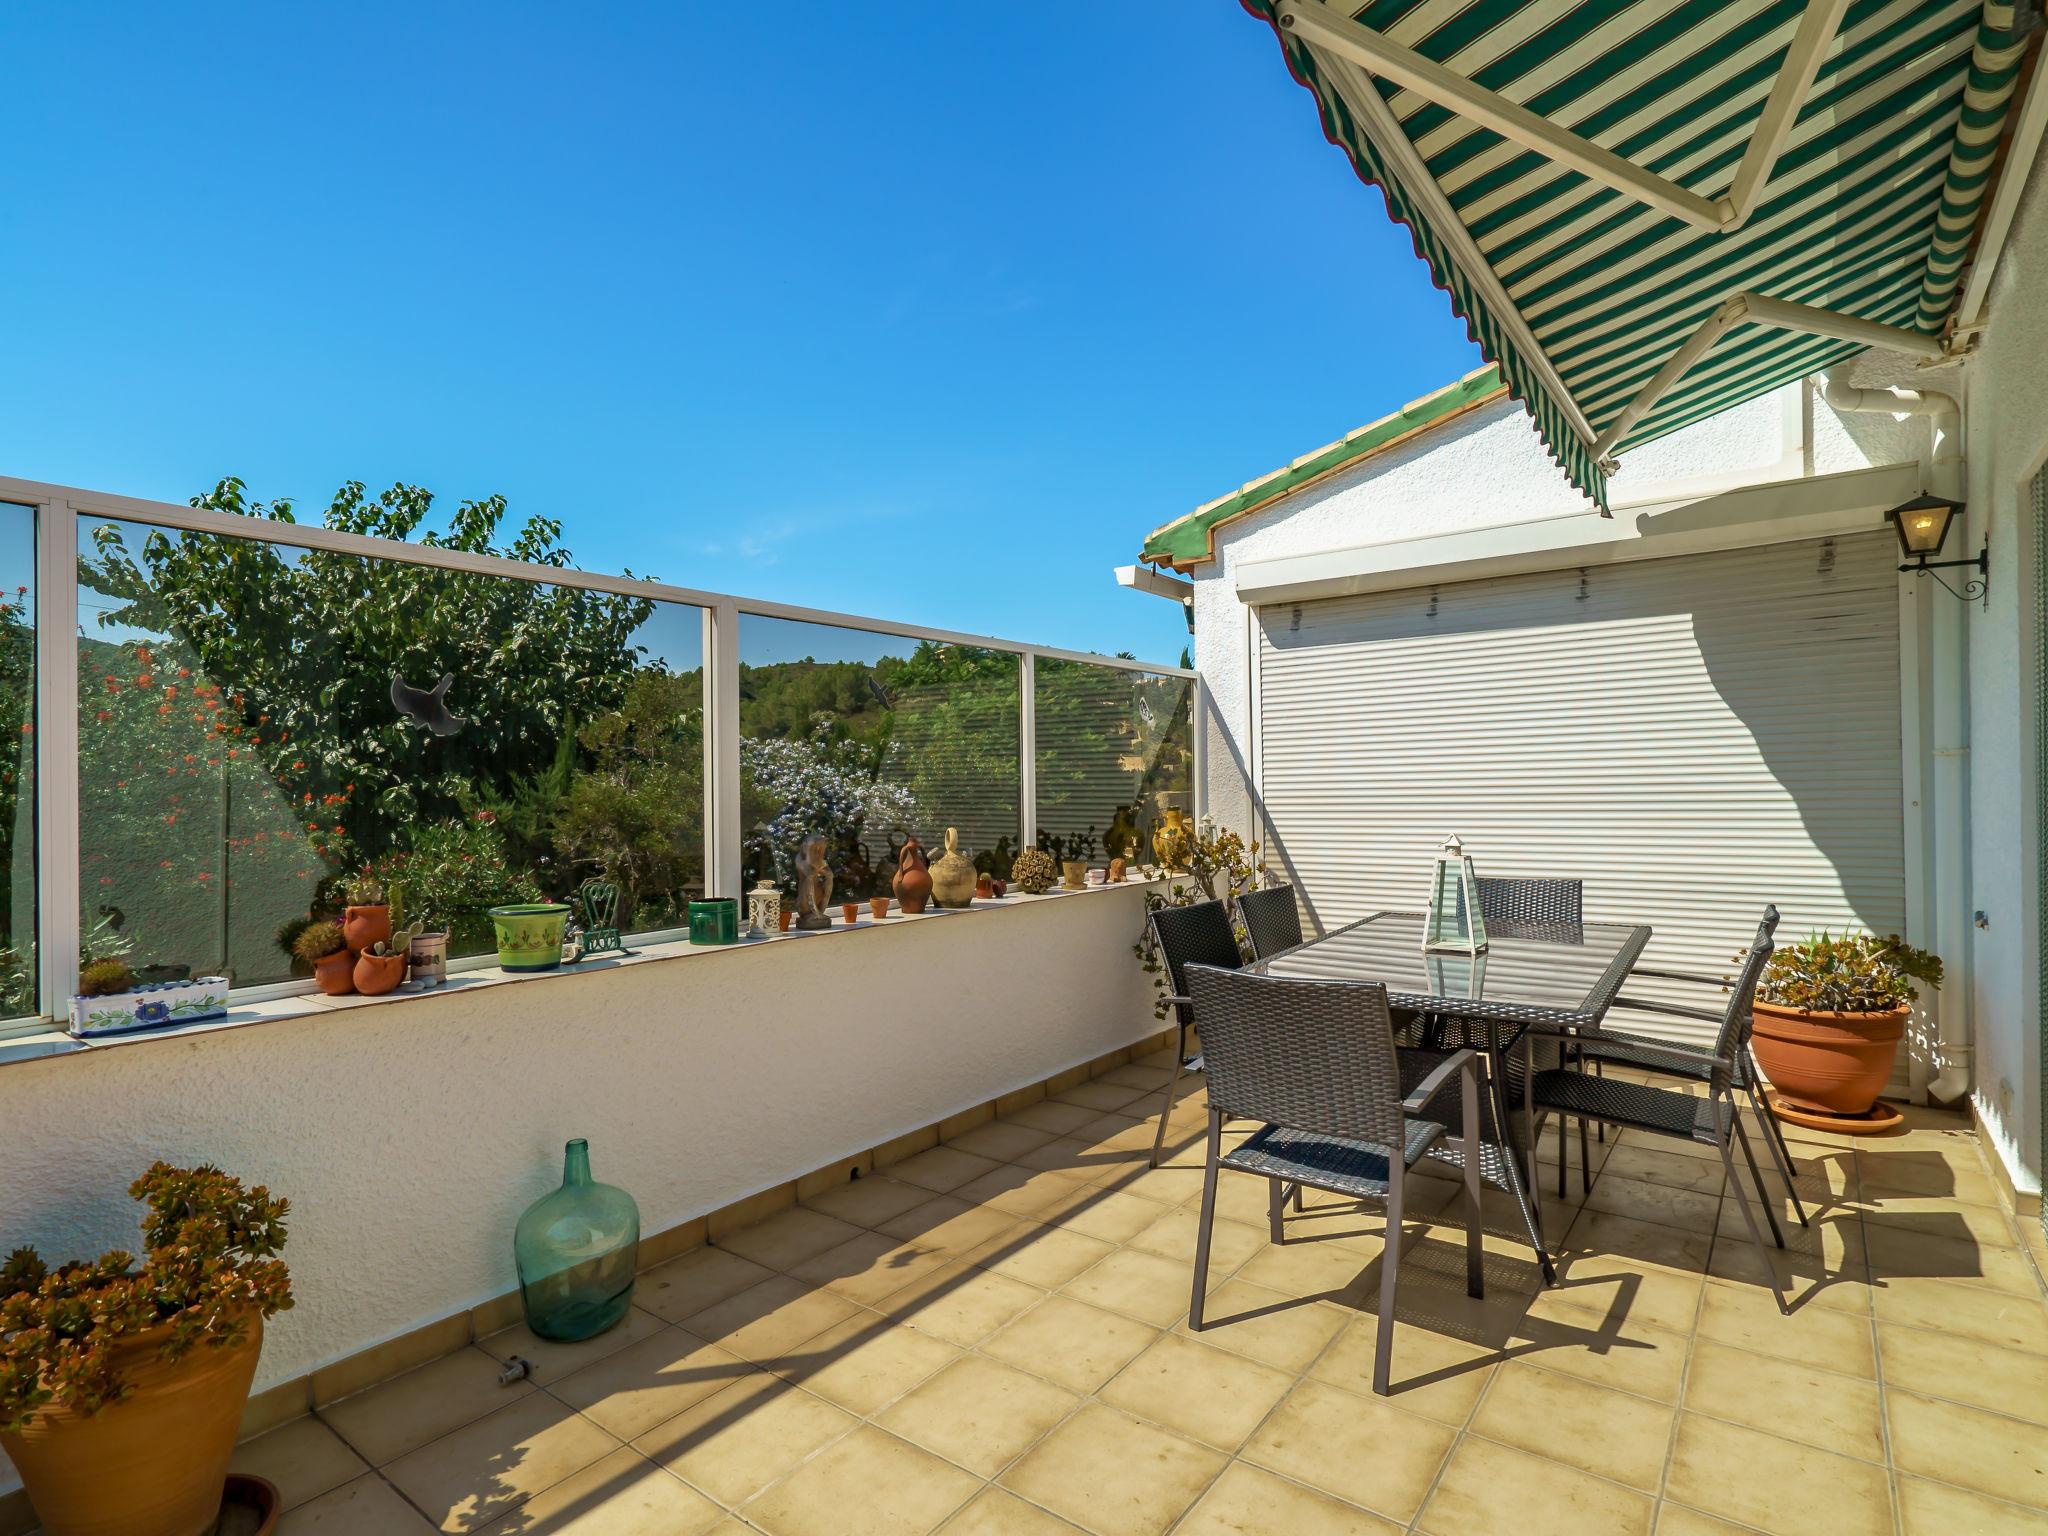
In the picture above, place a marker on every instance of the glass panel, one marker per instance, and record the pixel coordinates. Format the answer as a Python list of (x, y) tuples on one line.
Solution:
[(18, 997), (259, 724), (1115, 754), (869, 738)]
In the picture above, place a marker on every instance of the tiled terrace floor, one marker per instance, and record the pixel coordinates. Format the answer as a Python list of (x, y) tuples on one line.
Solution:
[(988, 1340)]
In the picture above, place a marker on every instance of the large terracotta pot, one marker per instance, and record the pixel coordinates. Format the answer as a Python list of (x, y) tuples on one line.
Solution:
[(377, 974), (913, 879), (364, 926), (1834, 1062), (153, 1464)]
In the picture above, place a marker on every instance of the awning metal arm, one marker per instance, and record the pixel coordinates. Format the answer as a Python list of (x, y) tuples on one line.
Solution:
[(1758, 309), (1331, 31)]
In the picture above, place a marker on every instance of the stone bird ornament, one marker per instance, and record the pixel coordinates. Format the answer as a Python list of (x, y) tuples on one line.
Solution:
[(429, 706)]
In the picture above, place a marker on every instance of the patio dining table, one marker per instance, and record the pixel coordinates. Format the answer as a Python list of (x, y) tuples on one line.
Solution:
[(1547, 976)]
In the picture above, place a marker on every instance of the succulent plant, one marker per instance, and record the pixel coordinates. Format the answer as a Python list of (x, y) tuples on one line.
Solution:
[(316, 941), (399, 943), (365, 890), (1034, 871), (1856, 973), (105, 978)]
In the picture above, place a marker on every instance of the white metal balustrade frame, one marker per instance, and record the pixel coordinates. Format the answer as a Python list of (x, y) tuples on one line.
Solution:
[(58, 509)]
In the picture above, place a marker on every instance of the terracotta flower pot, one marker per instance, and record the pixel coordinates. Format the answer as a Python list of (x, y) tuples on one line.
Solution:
[(336, 974), (1074, 873), (377, 974), (879, 906), (153, 1464), (782, 921), (364, 926), (850, 910), (1834, 1062)]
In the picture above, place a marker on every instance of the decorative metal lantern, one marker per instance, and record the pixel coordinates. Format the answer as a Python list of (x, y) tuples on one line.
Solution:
[(764, 908), (1454, 920)]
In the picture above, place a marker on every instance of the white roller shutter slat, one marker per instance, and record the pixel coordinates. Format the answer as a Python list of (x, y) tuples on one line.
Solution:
[(1693, 737)]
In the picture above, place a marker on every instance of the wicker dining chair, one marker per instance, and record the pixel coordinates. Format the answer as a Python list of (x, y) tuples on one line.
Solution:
[(1273, 919), (1647, 1053), (1196, 935), (1531, 899), (1712, 1120), (1315, 1062)]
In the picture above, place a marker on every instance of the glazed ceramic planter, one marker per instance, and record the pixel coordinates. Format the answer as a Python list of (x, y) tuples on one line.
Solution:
[(1073, 873), (427, 959), (715, 920), (152, 1464), (149, 1007), (1837, 1063), (530, 935)]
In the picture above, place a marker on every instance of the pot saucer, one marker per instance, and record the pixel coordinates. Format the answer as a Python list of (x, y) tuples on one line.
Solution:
[(1880, 1118)]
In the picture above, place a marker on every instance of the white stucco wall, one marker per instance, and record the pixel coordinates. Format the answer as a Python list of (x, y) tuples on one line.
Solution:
[(2006, 439), (409, 1135)]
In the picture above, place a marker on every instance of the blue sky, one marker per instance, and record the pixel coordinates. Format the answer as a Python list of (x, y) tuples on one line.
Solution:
[(927, 311)]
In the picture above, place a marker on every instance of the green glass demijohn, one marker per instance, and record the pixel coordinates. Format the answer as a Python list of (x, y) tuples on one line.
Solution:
[(577, 1251)]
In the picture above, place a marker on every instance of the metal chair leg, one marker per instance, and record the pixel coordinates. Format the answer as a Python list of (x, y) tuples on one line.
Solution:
[(1207, 1220), (1600, 1128), (1774, 1143), (1475, 1264), (1390, 1271), (1585, 1160), (1756, 1235), (1763, 1196), (1180, 1050), (1276, 1198), (1563, 1159)]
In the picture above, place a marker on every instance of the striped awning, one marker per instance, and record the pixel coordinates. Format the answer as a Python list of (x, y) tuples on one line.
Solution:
[(1581, 178)]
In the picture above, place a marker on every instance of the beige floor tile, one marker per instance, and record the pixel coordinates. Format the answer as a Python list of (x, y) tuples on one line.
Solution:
[(1652, 1244), (865, 1362), (961, 1303), (1965, 1370), (1003, 1140), (1101, 1095), (303, 1458), (1077, 1159), (1109, 1214), (1773, 1484), (1432, 1374), (1653, 1165), (767, 1321), (1071, 1343), (1112, 1475), (1677, 1520), (1205, 1393), (1054, 1117), (1689, 1210), (948, 1224), (1833, 1277), (784, 1241), (1166, 1185), (867, 1484), (406, 1412), (870, 1201), (1954, 1172), (469, 1478), (1344, 1270), (941, 1169), (979, 1413), (1611, 1434), (1783, 1397), (624, 1494), (1140, 1285), (1939, 1216), (2006, 1458), (1266, 1325), (1632, 1357), (1021, 1191), (1995, 1317), (1172, 1236), (992, 1512), (1358, 1447), (874, 1265), (1817, 1336), (1040, 1255), (1247, 1501), (735, 1444), (1936, 1509), (684, 1287), (1899, 1252), (1487, 1489), (369, 1506), (552, 1359), (1622, 1291), (630, 1392), (1140, 1075)]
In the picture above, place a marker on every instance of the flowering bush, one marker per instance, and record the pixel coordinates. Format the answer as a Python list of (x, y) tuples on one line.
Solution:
[(1856, 973), (209, 1266), (797, 787)]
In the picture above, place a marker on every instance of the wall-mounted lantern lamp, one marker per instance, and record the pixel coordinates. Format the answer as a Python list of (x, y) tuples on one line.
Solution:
[(1923, 525)]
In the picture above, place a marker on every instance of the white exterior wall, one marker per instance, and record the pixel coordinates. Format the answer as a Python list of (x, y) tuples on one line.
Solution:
[(410, 1134), (2006, 440)]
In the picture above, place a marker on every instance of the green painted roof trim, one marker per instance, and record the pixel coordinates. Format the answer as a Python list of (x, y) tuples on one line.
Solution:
[(1191, 540)]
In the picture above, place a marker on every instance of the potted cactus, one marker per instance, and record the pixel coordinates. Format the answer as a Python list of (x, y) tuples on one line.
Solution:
[(1828, 1018), (366, 919), (122, 1384), (323, 947)]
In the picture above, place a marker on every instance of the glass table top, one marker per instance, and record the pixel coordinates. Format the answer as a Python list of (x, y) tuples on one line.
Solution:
[(1529, 973)]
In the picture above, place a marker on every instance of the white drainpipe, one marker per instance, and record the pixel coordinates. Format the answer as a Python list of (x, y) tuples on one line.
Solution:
[(1951, 667)]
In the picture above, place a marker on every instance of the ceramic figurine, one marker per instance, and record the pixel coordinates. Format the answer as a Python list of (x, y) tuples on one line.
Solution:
[(1116, 871), (813, 885), (913, 879), (953, 876)]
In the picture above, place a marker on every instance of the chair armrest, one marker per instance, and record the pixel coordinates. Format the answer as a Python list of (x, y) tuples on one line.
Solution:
[(1673, 1048), (1692, 976), (1439, 1079), (1181, 1002), (1705, 1014)]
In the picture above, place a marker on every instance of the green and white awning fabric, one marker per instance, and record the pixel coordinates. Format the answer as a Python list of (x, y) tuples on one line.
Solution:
[(1600, 185)]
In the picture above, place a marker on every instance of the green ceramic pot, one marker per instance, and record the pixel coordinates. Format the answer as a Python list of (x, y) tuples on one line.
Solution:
[(530, 935), (715, 921)]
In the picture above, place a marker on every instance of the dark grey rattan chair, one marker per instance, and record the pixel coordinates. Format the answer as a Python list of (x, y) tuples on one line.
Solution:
[(1713, 1120), (1647, 1053), (1315, 1061), (1273, 919), (1197, 935), (1541, 899)]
